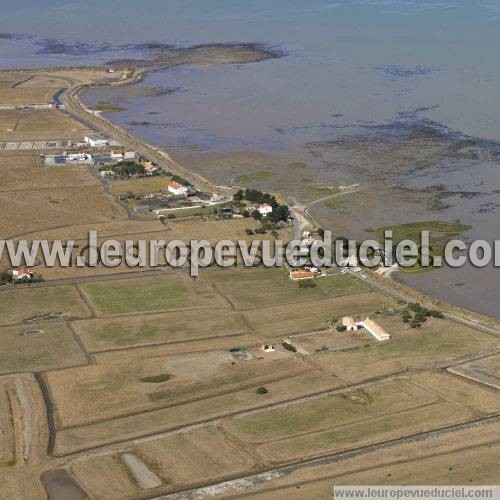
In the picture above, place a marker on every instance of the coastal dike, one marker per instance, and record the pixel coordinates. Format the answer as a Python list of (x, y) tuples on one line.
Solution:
[(75, 108)]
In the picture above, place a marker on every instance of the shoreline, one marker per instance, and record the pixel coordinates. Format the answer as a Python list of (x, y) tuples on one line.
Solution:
[(75, 108)]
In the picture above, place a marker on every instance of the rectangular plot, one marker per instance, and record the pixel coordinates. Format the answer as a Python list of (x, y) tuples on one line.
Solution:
[(37, 348), (251, 289), (152, 294), (103, 334), (39, 303)]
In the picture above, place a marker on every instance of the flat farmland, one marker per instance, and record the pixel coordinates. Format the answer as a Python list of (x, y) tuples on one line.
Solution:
[(141, 186), (482, 399), (26, 95), (485, 371), (23, 88), (38, 347), (437, 342), (7, 435), (330, 412), (95, 393), (255, 288), (106, 477), (25, 211), (365, 433), (152, 294), (112, 333), (333, 340), (23, 172), (74, 439), (196, 456), (26, 125), (174, 348), (20, 305), (283, 320), (214, 230), (454, 458)]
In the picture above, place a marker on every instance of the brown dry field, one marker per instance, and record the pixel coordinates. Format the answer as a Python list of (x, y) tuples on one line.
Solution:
[(106, 477), (103, 334), (7, 436), (334, 341), (193, 346), (23, 88), (486, 371), (52, 349), (95, 393), (283, 320), (437, 342), (22, 172), (24, 211), (22, 304), (140, 186), (201, 455), (180, 459), (330, 412), (257, 288), (469, 467), (161, 420), (33, 125), (362, 434)]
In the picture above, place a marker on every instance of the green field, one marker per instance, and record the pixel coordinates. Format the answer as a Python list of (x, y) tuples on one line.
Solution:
[(151, 294), (267, 287)]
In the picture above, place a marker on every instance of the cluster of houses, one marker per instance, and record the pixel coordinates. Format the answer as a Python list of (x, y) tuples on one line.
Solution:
[(371, 326)]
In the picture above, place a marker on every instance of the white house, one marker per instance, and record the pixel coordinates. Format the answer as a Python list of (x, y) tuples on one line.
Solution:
[(216, 196), (265, 209), (79, 158), (177, 189), (375, 329), (96, 140), (350, 324)]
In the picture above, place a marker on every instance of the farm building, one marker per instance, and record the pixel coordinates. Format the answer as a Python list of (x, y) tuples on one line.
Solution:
[(375, 329), (350, 324), (177, 189), (96, 140), (265, 209), (22, 272), (216, 196), (302, 274), (268, 347)]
